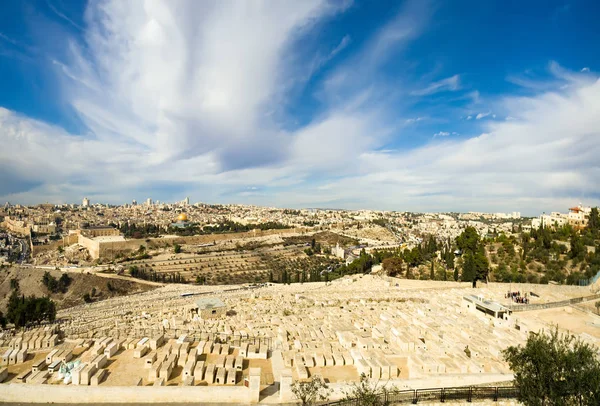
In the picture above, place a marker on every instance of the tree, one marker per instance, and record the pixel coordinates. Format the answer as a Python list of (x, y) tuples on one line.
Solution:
[(468, 240), (23, 311), (475, 263), (392, 266), (555, 369), (468, 271), (312, 391), (594, 221), (578, 250), (364, 393), (432, 275), (176, 248)]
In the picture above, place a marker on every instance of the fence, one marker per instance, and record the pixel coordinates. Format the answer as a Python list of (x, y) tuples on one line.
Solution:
[(590, 281), (524, 307), (467, 394)]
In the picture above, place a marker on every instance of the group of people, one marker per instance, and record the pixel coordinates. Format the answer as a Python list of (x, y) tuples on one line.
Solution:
[(517, 298)]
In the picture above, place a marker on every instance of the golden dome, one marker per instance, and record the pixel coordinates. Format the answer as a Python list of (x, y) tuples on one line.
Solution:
[(182, 217)]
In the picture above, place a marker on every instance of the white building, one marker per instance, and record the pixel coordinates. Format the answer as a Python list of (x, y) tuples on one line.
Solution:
[(85, 202), (577, 217)]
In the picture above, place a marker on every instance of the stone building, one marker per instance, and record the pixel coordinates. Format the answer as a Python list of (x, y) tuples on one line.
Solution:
[(210, 308)]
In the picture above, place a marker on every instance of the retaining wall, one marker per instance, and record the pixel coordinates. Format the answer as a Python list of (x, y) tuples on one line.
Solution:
[(20, 393)]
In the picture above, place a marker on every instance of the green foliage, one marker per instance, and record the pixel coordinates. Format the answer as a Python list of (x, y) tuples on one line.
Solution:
[(468, 240), (364, 393), (312, 391), (475, 263), (578, 250), (56, 286), (594, 222), (23, 311), (555, 369), (152, 275), (176, 248), (14, 284), (392, 266)]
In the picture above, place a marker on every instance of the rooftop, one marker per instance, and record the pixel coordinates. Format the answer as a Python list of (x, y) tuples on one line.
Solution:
[(209, 303), (487, 304)]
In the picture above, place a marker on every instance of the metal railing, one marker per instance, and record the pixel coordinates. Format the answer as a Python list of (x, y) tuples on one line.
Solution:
[(526, 307), (590, 281), (466, 394)]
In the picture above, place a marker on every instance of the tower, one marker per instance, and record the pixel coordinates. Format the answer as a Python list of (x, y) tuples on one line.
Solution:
[(85, 202)]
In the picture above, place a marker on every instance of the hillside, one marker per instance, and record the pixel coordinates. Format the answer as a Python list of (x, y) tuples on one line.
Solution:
[(30, 283)]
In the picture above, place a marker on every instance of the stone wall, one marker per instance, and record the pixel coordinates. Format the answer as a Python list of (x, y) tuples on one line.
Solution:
[(19, 393), (36, 249), (107, 249)]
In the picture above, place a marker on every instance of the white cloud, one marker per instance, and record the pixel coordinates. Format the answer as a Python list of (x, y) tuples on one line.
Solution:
[(449, 84), (545, 159), (586, 69), (182, 96), (414, 120)]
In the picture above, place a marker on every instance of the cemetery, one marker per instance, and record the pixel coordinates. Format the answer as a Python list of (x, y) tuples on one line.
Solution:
[(252, 344)]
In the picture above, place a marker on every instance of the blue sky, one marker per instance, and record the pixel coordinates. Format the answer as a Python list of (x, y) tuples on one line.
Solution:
[(395, 105)]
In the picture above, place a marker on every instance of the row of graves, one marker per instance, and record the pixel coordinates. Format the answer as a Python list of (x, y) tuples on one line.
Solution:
[(356, 325), (382, 332), (22, 346), (146, 361)]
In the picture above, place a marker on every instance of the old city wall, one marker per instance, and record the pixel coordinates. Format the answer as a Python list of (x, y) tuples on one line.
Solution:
[(37, 249), (108, 249), (16, 226), (205, 239), (92, 246), (19, 393)]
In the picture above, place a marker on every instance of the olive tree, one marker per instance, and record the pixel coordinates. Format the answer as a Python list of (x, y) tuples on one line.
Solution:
[(311, 391), (555, 369), (365, 393)]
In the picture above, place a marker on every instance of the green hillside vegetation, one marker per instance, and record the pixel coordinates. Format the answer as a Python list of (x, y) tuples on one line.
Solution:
[(563, 255)]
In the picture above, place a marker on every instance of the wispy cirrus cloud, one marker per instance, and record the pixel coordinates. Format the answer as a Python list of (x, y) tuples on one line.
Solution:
[(184, 98), (445, 85)]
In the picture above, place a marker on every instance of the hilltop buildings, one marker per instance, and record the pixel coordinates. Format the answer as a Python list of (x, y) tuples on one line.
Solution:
[(577, 217)]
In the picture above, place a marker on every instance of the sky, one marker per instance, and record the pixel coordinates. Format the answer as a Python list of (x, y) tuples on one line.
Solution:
[(418, 105)]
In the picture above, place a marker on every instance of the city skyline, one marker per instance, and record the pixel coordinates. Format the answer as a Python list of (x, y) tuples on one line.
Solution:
[(405, 106)]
